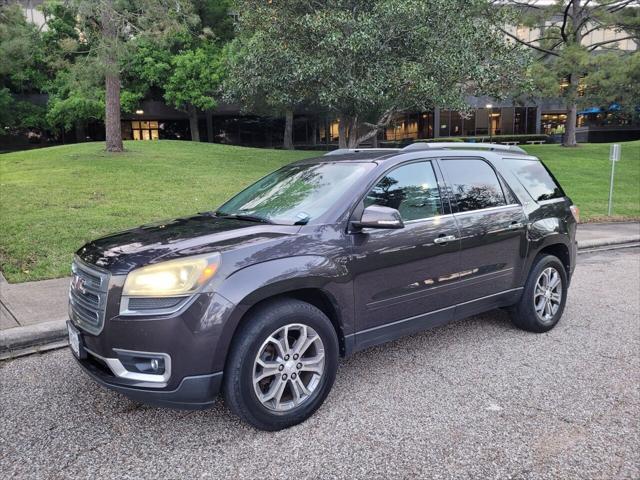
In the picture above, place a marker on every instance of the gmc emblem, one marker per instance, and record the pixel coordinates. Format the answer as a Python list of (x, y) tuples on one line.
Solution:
[(78, 283)]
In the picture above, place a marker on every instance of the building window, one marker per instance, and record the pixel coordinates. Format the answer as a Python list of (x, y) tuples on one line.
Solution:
[(494, 121), (411, 127), (553, 123), (445, 122), (482, 121), (520, 120), (145, 130), (470, 124), (532, 113), (456, 124), (425, 125)]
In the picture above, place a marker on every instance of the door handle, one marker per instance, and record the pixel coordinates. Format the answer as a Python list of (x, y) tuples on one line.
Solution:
[(445, 239), (515, 226)]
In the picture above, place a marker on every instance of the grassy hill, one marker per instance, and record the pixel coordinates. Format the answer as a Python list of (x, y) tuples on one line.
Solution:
[(55, 199)]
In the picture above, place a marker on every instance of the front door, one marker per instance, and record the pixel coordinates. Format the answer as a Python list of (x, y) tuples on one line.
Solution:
[(401, 275), (492, 230)]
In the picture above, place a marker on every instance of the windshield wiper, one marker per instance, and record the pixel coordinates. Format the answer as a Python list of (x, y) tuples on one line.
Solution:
[(241, 216)]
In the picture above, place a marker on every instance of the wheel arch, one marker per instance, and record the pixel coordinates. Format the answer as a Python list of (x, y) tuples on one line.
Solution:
[(319, 298), (561, 251), (557, 245), (311, 279)]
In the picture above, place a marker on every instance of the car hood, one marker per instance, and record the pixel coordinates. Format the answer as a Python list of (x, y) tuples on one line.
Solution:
[(122, 252)]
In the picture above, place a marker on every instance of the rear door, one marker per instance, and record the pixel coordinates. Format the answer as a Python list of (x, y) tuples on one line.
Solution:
[(492, 228), (402, 274)]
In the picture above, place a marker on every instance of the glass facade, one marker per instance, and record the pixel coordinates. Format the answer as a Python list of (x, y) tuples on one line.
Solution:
[(478, 122), (553, 123)]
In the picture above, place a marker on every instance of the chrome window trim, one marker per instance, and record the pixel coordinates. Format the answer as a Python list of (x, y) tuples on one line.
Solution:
[(500, 207), (549, 200), (117, 368), (409, 222)]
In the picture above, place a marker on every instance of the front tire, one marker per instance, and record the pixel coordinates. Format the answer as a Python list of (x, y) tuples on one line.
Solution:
[(282, 365), (544, 296)]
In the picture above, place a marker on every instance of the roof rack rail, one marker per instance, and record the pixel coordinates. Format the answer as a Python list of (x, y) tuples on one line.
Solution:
[(466, 145), (344, 151)]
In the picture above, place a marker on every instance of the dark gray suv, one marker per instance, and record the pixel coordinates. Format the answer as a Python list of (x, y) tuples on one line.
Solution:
[(317, 260)]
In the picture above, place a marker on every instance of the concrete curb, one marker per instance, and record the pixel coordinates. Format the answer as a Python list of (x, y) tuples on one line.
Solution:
[(14, 340), (19, 341), (606, 243)]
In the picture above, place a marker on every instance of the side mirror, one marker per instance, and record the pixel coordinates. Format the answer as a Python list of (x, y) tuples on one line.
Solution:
[(376, 216)]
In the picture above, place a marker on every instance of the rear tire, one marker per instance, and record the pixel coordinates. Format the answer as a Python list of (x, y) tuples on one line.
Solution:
[(282, 365), (544, 296)]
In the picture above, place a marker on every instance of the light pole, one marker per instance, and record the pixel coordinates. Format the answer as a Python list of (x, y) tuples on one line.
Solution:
[(489, 112)]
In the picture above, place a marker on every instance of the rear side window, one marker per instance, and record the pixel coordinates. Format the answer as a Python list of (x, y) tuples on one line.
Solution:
[(536, 179), (411, 189), (473, 184)]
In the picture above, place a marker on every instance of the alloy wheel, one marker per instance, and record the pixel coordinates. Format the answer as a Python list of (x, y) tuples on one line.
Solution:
[(547, 295), (288, 367)]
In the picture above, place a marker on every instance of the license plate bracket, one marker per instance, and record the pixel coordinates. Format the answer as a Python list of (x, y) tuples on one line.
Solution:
[(75, 341)]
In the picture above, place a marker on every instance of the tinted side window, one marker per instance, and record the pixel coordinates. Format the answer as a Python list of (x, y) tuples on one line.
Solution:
[(473, 184), (536, 179), (411, 189)]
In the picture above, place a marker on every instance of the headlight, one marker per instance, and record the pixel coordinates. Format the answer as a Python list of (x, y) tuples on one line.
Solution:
[(173, 277)]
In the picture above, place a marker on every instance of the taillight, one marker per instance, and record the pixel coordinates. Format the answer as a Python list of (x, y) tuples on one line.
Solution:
[(575, 211)]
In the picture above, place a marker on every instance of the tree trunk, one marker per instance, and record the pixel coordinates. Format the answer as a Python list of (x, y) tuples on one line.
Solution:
[(113, 129), (193, 123), (374, 140), (342, 131), (569, 138), (288, 130), (353, 140)]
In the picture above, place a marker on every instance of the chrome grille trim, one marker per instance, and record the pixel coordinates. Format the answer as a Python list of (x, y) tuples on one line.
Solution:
[(88, 296)]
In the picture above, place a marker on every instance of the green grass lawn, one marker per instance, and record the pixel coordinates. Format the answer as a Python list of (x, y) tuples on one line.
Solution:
[(55, 199), (584, 173)]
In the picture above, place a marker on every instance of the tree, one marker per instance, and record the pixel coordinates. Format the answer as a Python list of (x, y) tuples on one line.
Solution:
[(184, 68), (369, 60), (75, 97), (22, 71), (264, 77), (194, 81), (564, 42), (111, 27)]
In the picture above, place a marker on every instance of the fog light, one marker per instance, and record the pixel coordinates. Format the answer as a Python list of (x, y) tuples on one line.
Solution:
[(142, 364), (154, 366)]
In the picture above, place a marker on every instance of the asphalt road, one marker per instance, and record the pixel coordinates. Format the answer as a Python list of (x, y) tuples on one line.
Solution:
[(475, 399)]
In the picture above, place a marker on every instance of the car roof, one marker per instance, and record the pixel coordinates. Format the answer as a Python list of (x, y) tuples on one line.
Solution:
[(420, 150), (359, 156)]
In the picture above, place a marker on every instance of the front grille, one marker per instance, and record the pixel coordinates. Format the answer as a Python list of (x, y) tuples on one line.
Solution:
[(88, 297)]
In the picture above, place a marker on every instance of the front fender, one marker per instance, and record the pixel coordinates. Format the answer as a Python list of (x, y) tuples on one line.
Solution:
[(252, 284)]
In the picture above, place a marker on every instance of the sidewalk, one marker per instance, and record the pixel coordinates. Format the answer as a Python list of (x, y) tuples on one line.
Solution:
[(33, 314)]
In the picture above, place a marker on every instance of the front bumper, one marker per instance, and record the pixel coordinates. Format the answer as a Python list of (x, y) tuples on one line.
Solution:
[(191, 341), (193, 392)]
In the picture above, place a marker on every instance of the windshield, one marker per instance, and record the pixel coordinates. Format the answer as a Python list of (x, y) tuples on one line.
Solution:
[(296, 194)]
